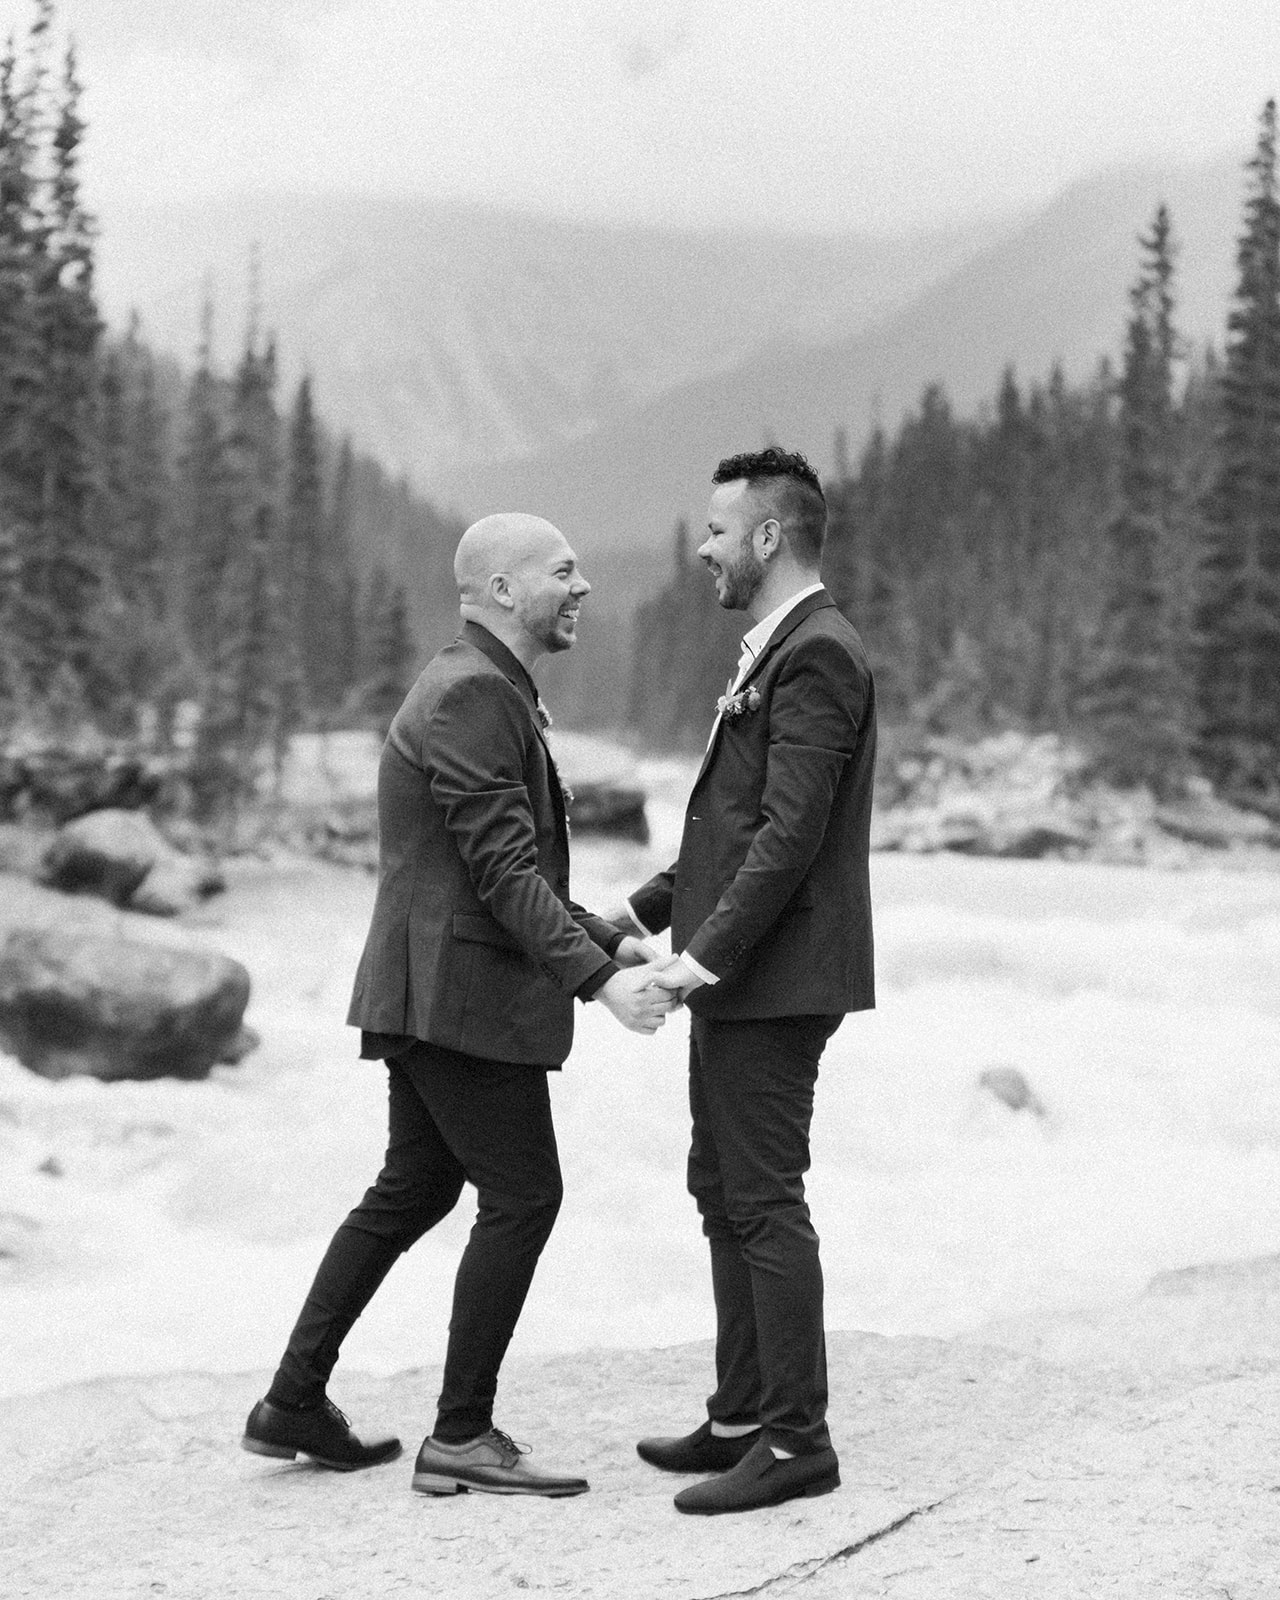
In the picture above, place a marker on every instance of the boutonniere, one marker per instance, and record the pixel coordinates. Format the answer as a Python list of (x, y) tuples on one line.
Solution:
[(544, 716), (742, 704)]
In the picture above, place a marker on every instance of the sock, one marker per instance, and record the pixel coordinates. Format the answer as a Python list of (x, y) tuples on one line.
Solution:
[(781, 1454), (733, 1430)]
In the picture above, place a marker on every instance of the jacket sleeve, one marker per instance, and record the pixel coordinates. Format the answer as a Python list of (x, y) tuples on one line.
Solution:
[(652, 901), (816, 708), (596, 928), (474, 751)]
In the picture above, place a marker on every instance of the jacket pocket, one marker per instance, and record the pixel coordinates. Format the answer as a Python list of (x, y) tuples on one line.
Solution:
[(483, 930)]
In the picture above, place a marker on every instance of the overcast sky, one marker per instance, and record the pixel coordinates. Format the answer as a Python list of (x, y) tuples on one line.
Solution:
[(870, 114)]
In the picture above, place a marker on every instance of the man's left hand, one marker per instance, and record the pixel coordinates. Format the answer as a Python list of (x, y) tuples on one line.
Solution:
[(633, 952)]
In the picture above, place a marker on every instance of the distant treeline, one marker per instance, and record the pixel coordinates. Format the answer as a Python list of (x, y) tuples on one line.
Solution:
[(1099, 560), (169, 543)]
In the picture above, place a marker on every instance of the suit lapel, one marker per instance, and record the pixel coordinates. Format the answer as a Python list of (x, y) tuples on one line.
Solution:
[(490, 646), (792, 620)]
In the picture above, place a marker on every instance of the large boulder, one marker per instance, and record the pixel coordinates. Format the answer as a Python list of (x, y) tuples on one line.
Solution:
[(76, 1001), (123, 856)]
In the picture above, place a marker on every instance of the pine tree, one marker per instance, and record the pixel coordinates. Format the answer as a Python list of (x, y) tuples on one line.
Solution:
[(1139, 699), (21, 247), (340, 675), (13, 684), (307, 577), (204, 513), (63, 573), (1239, 616), (252, 692), (390, 650)]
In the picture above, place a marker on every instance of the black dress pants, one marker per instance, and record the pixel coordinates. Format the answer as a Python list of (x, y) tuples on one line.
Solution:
[(751, 1096), (453, 1119)]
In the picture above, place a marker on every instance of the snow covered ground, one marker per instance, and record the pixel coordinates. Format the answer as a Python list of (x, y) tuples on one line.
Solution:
[(164, 1226)]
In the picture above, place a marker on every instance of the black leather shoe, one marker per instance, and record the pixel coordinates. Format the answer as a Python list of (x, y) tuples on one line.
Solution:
[(699, 1451), (494, 1464), (321, 1432), (762, 1479)]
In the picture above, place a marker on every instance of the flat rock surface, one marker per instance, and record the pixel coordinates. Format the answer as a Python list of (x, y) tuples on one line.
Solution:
[(1132, 1451)]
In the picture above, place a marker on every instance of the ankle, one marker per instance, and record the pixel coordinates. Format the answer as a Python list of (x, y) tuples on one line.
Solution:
[(291, 1400)]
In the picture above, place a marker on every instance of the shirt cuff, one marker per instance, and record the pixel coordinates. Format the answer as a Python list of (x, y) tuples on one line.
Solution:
[(645, 933), (697, 968), (588, 989)]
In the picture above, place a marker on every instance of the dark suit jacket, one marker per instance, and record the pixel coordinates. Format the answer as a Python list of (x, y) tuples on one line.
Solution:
[(770, 891), (475, 943)]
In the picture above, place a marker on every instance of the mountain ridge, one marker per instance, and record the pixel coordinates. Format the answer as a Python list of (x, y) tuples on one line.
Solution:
[(444, 335), (1055, 290)]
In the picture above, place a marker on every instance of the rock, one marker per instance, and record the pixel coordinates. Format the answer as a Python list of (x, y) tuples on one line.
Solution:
[(1206, 821), (57, 784), (245, 1041), (106, 853), (603, 790), (123, 856), (174, 885), (1032, 837), (114, 1006), (1011, 1088), (608, 808)]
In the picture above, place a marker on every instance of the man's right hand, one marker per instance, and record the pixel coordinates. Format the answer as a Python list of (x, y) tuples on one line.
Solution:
[(636, 1001)]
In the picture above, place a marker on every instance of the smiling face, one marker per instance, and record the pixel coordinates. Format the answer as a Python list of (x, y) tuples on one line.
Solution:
[(729, 549), (548, 590)]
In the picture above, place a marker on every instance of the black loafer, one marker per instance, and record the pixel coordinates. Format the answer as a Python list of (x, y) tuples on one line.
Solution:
[(321, 1432), (763, 1479), (699, 1451)]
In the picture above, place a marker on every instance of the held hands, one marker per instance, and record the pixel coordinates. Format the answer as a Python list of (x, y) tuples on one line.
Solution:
[(671, 974), (637, 1000)]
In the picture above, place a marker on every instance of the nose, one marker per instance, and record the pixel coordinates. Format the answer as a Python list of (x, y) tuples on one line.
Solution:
[(581, 586), (704, 550)]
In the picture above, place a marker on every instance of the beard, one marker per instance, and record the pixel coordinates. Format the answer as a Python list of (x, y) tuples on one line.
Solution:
[(548, 627), (741, 579)]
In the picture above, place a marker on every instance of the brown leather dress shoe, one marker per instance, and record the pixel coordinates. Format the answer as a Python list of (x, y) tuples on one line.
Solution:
[(321, 1432), (762, 1479), (699, 1451), (493, 1464)]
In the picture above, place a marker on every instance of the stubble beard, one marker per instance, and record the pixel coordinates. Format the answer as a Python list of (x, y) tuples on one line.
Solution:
[(743, 580)]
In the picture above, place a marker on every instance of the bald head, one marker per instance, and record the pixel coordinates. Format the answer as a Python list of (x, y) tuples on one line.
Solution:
[(518, 577), (498, 546)]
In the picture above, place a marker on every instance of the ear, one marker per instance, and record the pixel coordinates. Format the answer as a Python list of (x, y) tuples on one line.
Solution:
[(770, 531), (500, 591)]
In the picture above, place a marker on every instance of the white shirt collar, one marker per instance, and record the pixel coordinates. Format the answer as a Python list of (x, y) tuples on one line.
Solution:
[(759, 636)]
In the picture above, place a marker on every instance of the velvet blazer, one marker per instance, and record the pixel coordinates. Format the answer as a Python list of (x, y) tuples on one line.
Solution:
[(475, 943)]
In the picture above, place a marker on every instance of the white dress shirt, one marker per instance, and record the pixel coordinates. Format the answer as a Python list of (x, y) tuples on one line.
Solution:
[(753, 642)]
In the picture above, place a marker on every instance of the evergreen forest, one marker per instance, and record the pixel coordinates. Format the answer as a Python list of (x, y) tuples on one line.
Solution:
[(1099, 560), (193, 564)]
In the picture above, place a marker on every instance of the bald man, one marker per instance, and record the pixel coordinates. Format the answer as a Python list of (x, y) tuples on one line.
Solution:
[(466, 988)]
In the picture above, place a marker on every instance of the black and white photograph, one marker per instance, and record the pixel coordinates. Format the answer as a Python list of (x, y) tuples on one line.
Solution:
[(639, 799)]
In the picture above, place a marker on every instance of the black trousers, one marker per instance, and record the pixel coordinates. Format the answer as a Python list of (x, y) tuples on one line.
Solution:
[(751, 1096), (452, 1119)]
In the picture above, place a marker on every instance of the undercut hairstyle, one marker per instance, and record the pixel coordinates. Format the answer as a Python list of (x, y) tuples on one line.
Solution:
[(785, 483)]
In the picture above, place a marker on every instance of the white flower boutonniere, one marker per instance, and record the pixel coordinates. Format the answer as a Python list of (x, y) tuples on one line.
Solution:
[(544, 716), (733, 706)]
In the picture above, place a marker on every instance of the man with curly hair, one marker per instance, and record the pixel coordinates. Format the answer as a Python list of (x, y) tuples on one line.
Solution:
[(769, 908)]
